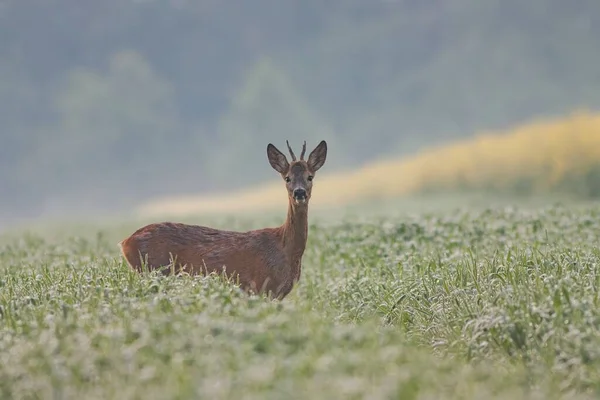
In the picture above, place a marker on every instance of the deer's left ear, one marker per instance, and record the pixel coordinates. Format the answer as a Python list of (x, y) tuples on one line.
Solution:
[(317, 157)]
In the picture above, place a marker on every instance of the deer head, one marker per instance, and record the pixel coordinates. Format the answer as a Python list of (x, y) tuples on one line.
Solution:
[(298, 175)]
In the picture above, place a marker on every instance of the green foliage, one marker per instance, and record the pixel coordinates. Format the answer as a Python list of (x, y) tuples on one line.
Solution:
[(497, 303), (124, 115)]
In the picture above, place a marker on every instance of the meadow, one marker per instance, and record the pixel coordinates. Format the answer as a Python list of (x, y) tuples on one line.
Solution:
[(495, 302)]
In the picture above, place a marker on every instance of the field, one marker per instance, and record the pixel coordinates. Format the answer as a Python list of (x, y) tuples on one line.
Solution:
[(496, 302), (553, 156)]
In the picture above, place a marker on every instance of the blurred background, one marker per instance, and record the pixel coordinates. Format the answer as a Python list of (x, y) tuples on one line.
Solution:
[(108, 105)]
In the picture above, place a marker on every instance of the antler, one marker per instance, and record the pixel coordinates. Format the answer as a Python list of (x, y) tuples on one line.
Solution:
[(291, 152), (303, 151)]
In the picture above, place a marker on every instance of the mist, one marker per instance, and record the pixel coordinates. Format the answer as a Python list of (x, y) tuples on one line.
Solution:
[(105, 105)]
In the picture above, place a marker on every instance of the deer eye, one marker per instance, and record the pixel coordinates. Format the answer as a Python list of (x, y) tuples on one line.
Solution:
[(310, 178), (287, 179)]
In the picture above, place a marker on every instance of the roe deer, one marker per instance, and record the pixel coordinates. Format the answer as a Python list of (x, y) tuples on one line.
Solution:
[(265, 260)]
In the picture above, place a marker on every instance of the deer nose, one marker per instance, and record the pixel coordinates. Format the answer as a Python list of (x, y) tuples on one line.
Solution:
[(299, 193)]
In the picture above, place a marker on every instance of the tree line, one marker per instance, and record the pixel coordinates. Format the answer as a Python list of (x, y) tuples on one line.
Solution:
[(103, 104)]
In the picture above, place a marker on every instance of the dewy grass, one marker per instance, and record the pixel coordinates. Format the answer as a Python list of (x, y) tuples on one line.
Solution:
[(500, 303)]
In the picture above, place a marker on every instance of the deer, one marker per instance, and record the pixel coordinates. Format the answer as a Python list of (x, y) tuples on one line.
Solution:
[(263, 261)]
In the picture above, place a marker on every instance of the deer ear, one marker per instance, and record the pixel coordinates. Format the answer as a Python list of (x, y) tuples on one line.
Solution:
[(277, 159), (317, 157)]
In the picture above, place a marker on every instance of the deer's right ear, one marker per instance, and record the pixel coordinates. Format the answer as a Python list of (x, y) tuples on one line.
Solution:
[(277, 159)]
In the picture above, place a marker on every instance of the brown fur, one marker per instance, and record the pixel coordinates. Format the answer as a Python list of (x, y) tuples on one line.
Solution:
[(266, 260)]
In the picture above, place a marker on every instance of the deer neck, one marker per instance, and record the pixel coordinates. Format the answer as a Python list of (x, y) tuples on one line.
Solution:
[(295, 231)]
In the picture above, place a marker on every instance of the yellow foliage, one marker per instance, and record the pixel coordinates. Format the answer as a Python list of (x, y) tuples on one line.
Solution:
[(544, 153)]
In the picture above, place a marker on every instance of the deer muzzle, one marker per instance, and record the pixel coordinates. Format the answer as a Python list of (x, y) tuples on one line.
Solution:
[(300, 195)]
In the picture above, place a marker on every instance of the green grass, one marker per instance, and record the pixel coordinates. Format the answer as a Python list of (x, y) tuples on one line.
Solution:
[(494, 303)]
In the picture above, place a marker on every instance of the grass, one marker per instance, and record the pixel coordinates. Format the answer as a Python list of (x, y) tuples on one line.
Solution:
[(498, 302)]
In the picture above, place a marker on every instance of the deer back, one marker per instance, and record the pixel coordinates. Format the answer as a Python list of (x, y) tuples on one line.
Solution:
[(257, 259)]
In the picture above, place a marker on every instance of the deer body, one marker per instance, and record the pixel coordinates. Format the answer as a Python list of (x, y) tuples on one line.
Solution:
[(263, 260)]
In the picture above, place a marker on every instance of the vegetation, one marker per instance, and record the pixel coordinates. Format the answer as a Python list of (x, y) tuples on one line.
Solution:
[(103, 104), (559, 156), (495, 303)]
